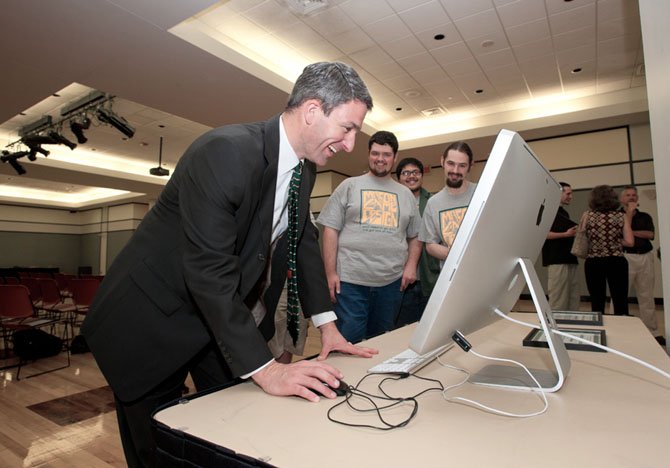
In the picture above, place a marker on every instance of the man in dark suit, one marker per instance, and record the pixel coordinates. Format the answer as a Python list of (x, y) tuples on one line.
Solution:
[(191, 292)]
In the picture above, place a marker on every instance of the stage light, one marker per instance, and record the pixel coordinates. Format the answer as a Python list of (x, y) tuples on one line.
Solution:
[(77, 129), (34, 140), (109, 117), (11, 159), (34, 149), (58, 138)]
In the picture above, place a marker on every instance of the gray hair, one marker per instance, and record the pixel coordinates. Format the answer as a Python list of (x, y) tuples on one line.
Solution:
[(332, 83)]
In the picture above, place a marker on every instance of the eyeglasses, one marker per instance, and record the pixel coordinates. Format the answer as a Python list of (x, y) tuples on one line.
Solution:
[(415, 172)]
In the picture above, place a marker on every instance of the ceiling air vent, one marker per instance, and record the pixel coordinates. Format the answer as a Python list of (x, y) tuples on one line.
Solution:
[(306, 7), (433, 111)]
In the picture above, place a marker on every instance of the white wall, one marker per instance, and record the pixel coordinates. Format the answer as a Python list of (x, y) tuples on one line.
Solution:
[(655, 18)]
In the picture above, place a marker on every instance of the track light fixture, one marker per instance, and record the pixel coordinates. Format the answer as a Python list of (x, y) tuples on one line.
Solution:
[(78, 115), (108, 116), (11, 158), (77, 128), (58, 138)]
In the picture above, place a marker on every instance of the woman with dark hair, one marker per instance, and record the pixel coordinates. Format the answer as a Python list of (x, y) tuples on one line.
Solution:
[(608, 230)]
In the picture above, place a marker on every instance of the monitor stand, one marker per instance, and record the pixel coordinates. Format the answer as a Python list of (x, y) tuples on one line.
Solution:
[(517, 378)]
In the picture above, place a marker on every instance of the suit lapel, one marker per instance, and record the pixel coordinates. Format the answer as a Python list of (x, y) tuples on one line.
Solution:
[(269, 182)]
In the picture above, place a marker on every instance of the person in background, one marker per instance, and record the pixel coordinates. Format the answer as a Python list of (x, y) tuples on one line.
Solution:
[(410, 173), (640, 258), (562, 281), (189, 292), (608, 230), (370, 246), (445, 210)]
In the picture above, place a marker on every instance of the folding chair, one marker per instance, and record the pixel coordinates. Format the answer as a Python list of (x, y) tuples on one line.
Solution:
[(83, 290), (17, 313), (33, 286), (63, 281), (55, 307)]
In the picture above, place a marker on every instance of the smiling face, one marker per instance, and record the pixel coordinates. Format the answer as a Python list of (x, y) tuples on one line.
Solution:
[(566, 195), (411, 177), (456, 166), (324, 135), (381, 160)]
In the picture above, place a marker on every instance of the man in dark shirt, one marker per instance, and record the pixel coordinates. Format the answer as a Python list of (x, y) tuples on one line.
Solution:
[(410, 173), (562, 285), (640, 259)]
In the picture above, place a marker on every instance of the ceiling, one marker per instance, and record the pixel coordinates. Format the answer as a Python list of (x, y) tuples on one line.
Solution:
[(540, 67)]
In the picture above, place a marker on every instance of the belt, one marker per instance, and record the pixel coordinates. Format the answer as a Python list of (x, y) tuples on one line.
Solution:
[(637, 251)]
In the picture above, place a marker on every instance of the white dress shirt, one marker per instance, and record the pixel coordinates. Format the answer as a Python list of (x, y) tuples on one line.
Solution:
[(288, 159)]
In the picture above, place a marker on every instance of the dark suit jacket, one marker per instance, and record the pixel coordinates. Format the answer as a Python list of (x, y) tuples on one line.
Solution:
[(196, 258)]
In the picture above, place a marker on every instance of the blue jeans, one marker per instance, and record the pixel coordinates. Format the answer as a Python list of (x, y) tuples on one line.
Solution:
[(412, 306), (365, 311)]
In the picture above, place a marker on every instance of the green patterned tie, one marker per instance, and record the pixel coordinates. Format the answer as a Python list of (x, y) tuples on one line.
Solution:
[(293, 303)]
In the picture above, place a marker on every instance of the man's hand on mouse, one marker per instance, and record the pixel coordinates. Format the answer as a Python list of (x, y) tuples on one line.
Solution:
[(300, 378), (332, 340)]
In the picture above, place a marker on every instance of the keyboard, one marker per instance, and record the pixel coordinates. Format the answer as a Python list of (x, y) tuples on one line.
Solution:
[(407, 361)]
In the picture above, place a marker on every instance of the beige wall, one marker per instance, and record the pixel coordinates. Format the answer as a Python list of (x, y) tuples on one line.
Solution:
[(584, 160)]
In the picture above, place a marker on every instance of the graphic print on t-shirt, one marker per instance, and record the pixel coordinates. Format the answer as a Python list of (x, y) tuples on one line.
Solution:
[(379, 210), (450, 221)]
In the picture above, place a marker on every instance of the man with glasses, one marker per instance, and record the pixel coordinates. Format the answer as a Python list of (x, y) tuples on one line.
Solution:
[(445, 210), (410, 173)]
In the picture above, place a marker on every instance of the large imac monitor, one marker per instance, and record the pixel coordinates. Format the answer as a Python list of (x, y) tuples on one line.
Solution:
[(492, 259)]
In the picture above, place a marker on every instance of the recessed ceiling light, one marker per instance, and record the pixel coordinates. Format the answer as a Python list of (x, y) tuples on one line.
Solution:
[(479, 91), (398, 109), (576, 70), (412, 93), (161, 126), (487, 43), (144, 143), (56, 95), (438, 37)]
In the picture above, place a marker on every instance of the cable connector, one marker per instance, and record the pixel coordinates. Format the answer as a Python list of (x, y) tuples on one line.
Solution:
[(460, 340)]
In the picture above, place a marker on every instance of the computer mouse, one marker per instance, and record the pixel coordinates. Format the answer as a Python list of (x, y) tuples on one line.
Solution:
[(342, 390)]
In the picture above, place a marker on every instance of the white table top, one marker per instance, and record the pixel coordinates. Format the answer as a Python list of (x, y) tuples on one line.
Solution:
[(610, 412)]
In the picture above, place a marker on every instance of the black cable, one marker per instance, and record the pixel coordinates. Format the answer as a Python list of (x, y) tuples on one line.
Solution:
[(354, 393)]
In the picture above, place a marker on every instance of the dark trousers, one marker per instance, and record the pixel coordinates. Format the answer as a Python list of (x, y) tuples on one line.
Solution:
[(611, 271), (412, 306), (207, 369)]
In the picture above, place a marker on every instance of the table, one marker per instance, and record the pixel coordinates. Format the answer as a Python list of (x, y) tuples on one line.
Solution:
[(610, 412)]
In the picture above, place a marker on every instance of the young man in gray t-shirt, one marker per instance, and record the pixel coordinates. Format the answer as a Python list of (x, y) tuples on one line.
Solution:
[(370, 244), (445, 210)]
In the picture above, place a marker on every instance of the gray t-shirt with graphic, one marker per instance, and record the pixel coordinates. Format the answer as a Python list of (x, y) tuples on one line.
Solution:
[(443, 216), (374, 216)]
